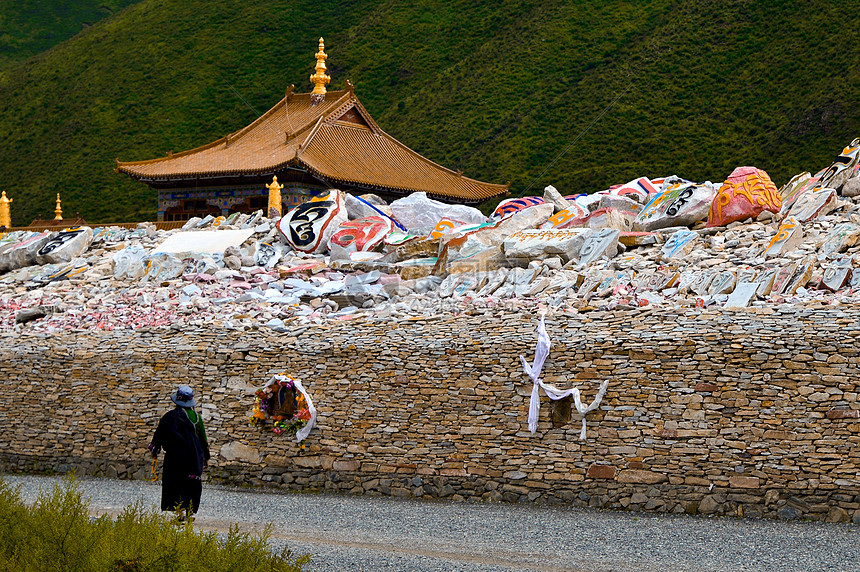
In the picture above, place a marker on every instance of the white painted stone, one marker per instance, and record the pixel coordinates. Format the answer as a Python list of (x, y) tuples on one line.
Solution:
[(65, 246), (813, 204), (679, 245)]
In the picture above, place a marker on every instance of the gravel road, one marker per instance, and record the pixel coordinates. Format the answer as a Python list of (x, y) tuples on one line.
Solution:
[(383, 534)]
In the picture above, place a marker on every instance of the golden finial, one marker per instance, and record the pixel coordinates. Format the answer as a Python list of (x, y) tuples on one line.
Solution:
[(274, 198), (5, 211), (58, 211), (320, 79)]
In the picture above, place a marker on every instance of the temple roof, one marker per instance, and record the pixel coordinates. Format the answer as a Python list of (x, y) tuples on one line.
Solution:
[(335, 139)]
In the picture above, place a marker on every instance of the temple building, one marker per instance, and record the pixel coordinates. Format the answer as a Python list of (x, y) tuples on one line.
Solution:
[(310, 142)]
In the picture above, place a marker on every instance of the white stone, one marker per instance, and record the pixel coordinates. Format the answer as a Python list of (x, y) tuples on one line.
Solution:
[(420, 214), (553, 197), (742, 294), (236, 451), (538, 244), (65, 246), (603, 243)]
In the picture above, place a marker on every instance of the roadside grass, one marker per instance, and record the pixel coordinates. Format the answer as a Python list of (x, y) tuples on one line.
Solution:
[(58, 533)]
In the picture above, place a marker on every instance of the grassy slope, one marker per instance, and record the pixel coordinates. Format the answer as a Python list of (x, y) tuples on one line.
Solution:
[(500, 90), (29, 28)]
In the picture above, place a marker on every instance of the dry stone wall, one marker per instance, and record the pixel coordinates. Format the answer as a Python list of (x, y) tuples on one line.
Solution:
[(749, 412)]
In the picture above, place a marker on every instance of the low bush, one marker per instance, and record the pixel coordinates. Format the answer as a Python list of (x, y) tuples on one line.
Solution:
[(58, 533)]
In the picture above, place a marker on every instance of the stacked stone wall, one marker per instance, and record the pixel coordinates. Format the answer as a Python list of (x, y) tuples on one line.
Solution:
[(745, 413)]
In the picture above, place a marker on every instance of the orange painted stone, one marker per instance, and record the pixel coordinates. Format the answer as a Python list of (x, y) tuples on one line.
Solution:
[(746, 193)]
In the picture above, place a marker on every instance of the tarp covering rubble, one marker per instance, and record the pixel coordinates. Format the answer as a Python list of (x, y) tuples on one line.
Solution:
[(661, 241)]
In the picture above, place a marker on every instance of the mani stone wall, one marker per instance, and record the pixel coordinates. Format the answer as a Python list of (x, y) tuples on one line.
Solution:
[(750, 412)]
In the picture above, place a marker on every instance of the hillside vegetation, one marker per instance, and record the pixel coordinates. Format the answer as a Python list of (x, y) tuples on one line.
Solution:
[(580, 95), (28, 28)]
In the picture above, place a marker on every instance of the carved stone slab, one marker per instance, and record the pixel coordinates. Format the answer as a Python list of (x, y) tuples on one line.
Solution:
[(782, 278), (702, 282), (764, 281), (746, 193), (788, 238), (801, 277), (681, 204), (539, 244), (510, 206), (723, 283), (837, 275), (600, 244), (839, 238), (362, 234), (266, 254), (308, 227), (680, 244), (65, 245), (794, 188), (815, 203)]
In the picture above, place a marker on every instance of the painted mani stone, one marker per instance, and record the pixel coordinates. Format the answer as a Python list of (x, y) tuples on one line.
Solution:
[(840, 237), (702, 282), (837, 275), (745, 194), (798, 185), (65, 245), (723, 283), (787, 238), (842, 167), (599, 244), (538, 244), (362, 234), (782, 278), (680, 204), (640, 190), (22, 253), (309, 226), (511, 206), (801, 277), (765, 280), (266, 254), (680, 244), (562, 218), (815, 203)]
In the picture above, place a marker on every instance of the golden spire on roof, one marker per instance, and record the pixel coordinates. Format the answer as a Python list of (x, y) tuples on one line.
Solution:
[(5, 211), (275, 201), (320, 79), (58, 211)]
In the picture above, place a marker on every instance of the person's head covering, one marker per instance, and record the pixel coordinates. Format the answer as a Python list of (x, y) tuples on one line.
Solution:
[(183, 396)]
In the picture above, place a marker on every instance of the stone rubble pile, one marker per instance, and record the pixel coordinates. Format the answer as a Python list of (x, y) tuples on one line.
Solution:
[(661, 242)]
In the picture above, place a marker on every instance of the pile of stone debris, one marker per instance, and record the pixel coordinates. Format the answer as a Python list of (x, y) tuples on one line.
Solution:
[(650, 242)]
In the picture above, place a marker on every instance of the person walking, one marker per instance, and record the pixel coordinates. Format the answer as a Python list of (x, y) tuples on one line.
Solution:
[(181, 434)]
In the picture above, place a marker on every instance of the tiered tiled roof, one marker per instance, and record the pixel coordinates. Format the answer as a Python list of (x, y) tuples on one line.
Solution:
[(335, 139)]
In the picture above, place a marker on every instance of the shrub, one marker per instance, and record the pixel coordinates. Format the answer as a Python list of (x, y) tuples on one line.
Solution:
[(58, 533)]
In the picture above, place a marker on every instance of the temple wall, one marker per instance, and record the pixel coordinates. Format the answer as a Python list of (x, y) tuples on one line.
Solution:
[(751, 412)]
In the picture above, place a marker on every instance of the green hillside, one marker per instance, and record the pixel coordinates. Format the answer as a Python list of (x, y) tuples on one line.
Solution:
[(29, 28), (580, 95)]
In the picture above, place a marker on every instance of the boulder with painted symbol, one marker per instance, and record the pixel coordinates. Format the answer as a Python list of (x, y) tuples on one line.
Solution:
[(266, 254), (679, 204), (723, 283), (309, 226), (746, 193), (65, 245), (562, 218), (509, 207), (837, 275), (842, 168), (362, 234), (22, 253)]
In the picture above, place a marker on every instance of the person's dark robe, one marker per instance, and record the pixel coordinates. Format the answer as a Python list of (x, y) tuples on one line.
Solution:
[(185, 453)]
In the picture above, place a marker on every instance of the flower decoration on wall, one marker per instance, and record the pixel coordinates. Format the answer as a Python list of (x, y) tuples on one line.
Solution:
[(284, 405)]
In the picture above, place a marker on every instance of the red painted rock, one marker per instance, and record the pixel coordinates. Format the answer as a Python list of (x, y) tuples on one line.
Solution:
[(309, 226), (362, 234), (745, 194)]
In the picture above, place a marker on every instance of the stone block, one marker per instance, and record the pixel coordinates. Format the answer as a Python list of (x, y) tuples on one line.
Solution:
[(641, 476), (601, 472), (739, 482)]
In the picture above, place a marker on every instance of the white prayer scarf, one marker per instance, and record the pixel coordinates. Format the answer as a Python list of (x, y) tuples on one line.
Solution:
[(534, 371)]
